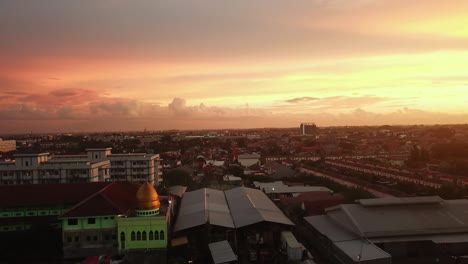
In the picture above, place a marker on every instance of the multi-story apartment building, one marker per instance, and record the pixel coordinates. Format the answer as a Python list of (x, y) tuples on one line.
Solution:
[(140, 167), (308, 128), (97, 165), (41, 168)]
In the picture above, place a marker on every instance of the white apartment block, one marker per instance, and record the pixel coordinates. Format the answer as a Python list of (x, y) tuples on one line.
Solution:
[(130, 167), (97, 165), (7, 145), (42, 168)]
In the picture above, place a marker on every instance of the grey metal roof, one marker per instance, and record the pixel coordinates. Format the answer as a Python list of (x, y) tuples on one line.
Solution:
[(359, 249), (280, 187), (249, 206), (233, 208), (328, 228), (265, 185), (401, 201), (450, 216), (349, 243), (222, 252), (203, 206), (296, 189)]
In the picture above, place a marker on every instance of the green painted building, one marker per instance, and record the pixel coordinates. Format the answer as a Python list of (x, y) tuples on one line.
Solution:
[(30, 212), (147, 227), (83, 219), (121, 217)]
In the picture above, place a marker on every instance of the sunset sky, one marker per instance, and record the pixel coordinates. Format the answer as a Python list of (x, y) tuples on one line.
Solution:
[(91, 65)]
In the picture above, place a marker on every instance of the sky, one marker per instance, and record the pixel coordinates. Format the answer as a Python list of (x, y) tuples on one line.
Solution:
[(118, 65)]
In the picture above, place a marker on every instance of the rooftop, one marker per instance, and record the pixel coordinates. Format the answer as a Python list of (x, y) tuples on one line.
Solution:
[(233, 208), (398, 217), (222, 252), (115, 199), (46, 194)]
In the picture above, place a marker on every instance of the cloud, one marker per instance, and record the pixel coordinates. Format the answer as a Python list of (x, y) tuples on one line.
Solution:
[(301, 99), (179, 107), (330, 103), (123, 108), (124, 114)]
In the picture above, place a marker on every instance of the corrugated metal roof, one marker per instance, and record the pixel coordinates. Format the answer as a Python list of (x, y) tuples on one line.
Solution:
[(349, 243), (231, 178), (249, 206), (222, 252), (280, 187), (296, 189), (362, 250), (401, 201), (203, 206), (233, 208), (404, 219), (328, 228), (262, 185)]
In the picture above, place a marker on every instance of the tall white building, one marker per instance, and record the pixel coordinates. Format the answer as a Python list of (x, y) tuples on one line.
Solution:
[(97, 165), (307, 128)]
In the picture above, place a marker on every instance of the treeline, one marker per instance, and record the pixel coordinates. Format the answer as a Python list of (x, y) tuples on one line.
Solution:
[(450, 150)]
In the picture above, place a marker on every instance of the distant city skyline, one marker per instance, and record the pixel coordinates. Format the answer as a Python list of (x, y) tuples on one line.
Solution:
[(72, 66)]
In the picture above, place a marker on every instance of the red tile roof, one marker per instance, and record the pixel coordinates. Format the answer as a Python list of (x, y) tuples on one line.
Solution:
[(47, 194), (117, 198)]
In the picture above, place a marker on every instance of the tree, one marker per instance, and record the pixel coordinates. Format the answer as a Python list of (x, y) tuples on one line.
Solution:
[(177, 177)]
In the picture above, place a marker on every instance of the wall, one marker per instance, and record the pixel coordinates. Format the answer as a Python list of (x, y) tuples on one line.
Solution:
[(141, 224), (29, 212), (82, 223)]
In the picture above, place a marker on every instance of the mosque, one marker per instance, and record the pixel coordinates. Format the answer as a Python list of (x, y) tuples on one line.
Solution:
[(119, 218), (86, 219)]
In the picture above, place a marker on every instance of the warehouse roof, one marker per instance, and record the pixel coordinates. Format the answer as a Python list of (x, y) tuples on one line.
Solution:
[(418, 217), (233, 208), (352, 245), (203, 206), (249, 206)]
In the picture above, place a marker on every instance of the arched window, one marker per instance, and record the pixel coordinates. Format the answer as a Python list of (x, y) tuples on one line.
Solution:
[(161, 235), (133, 235), (156, 235), (138, 235), (143, 235), (150, 235)]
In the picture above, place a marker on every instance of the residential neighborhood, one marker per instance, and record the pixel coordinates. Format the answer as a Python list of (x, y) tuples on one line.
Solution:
[(331, 195)]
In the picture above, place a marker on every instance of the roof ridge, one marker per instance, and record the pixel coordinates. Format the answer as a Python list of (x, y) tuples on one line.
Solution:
[(229, 208), (85, 200), (110, 201), (350, 216)]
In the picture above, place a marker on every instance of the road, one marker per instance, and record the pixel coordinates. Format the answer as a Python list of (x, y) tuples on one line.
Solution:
[(374, 192)]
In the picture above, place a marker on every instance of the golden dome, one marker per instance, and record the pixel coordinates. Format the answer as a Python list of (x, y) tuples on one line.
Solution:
[(147, 197)]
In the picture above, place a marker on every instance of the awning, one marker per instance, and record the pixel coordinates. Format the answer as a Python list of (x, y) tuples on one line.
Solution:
[(222, 252)]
